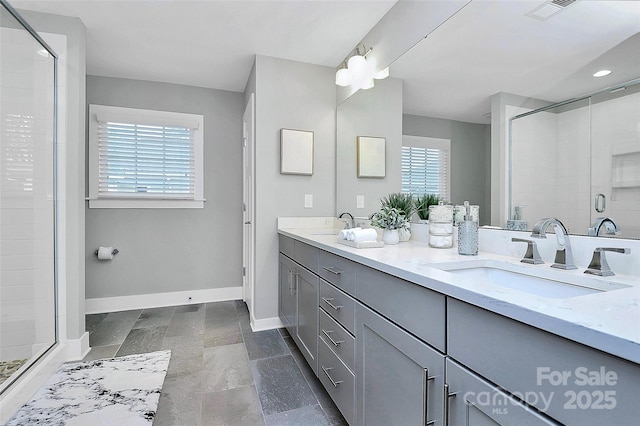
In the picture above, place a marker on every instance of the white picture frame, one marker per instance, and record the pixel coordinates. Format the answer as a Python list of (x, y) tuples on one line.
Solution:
[(371, 157), (296, 152)]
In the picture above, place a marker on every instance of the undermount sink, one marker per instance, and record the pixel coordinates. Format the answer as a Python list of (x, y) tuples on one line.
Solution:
[(524, 279)]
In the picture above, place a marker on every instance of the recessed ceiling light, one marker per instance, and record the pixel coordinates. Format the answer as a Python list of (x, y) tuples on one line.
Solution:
[(602, 73)]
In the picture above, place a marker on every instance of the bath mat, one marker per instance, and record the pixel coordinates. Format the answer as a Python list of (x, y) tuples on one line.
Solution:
[(114, 391)]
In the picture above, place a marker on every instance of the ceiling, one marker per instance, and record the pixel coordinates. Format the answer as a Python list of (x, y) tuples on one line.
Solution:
[(493, 46), (488, 47), (212, 43)]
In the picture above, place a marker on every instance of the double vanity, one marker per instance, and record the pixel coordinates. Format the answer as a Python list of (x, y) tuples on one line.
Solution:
[(413, 335)]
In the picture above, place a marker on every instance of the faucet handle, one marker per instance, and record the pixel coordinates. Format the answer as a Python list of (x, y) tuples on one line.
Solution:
[(532, 255), (599, 265)]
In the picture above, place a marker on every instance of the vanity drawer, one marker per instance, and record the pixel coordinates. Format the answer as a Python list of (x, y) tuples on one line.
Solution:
[(417, 309), (338, 304), (286, 245), (338, 271), (337, 338), (581, 385), (306, 255), (338, 380)]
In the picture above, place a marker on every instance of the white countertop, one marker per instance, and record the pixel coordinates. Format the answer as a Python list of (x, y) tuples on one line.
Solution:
[(608, 321)]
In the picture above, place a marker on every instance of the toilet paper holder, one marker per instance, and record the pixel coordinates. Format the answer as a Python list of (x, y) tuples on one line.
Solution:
[(113, 252)]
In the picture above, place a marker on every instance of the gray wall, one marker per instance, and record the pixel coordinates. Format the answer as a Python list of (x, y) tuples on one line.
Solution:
[(470, 157), (71, 233), (168, 250), (291, 95), (374, 112)]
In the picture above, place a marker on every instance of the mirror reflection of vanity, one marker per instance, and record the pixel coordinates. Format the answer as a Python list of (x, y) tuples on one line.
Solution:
[(485, 168)]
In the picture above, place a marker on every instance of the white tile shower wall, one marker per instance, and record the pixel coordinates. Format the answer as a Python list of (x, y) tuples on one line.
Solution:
[(573, 207), (616, 122), (534, 165), (26, 199)]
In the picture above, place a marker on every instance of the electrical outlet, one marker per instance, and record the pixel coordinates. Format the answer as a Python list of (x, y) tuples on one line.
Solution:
[(308, 201), (360, 201)]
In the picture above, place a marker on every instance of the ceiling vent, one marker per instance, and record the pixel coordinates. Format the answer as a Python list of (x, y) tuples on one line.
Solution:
[(550, 8)]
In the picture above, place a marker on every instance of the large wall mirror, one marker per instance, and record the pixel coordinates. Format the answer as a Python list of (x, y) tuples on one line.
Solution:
[(490, 62)]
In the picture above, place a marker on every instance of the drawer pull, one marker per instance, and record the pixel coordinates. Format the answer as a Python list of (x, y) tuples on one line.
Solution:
[(326, 333), (333, 382), (332, 270), (328, 300), (447, 395), (425, 397)]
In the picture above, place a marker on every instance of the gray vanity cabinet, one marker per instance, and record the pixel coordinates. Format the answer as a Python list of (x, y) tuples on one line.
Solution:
[(472, 401), (298, 297), (287, 303), (399, 379)]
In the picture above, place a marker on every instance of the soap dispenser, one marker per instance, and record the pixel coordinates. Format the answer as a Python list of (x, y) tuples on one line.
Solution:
[(468, 234)]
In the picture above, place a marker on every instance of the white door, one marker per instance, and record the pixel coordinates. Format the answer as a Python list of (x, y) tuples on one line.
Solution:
[(248, 233)]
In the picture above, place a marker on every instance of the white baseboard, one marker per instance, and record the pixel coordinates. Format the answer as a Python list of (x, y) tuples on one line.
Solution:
[(157, 300), (265, 323), (20, 392)]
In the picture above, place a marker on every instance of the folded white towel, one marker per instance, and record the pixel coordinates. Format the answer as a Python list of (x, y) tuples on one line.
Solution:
[(342, 235), (368, 234), (351, 233)]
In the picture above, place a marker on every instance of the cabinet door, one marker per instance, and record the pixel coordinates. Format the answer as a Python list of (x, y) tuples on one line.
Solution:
[(399, 379), (287, 300), (474, 402), (307, 321)]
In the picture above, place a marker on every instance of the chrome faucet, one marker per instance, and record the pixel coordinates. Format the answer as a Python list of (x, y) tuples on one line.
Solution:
[(532, 255), (347, 224), (564, 256), (599, 265), (610, 225)]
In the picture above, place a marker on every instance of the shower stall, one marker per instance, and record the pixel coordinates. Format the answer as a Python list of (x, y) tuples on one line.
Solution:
[(579, 161), (28, 327)]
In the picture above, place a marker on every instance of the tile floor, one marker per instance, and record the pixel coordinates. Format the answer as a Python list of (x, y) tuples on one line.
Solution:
[(220, 373)]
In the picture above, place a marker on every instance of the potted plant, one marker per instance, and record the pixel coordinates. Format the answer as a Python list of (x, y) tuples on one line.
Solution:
[(420, 229), (391, 220), (403, 203)]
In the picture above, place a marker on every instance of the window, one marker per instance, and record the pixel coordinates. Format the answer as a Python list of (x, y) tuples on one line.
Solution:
[(425, 166), (144, 159)]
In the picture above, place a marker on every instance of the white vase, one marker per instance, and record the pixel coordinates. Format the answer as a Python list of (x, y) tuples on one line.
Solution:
[(390, 236), (420, 231), (404, 234)]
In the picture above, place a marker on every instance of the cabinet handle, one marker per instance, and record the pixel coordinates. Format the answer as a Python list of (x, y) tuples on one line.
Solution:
[(445, 413), (292, 288), (328, 300), (333, 382), (425, 396), (332, 270), (326, 333)]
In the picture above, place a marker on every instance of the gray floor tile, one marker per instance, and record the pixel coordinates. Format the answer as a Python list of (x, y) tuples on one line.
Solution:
[(225, 367), (233, 407), (305, 416), (180, 401), (110, 333), (100, 352), (92, 321), (143, 340), (186, 353), (280, 385), (221, 310), (154, 317), (264, 344), (222, 332), (196, 307), (326, 403), (125, 316), (186, 324)]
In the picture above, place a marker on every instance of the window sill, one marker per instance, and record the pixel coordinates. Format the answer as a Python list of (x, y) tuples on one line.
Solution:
[(145, 204)]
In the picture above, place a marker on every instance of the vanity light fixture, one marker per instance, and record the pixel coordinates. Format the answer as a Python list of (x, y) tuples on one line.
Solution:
[(359, 72), (602, 73)]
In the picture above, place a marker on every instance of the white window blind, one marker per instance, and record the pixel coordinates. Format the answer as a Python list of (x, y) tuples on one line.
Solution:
[(145, 161), (144, 155), (425, 166)]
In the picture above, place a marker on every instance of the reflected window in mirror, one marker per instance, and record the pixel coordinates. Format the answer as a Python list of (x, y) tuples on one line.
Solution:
[(426, 165)]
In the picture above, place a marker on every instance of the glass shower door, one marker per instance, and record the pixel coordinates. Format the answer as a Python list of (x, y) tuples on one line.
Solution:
[(27, 198)]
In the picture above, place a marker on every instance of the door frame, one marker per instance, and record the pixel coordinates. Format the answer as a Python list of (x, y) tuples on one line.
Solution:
[(248, 205)]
